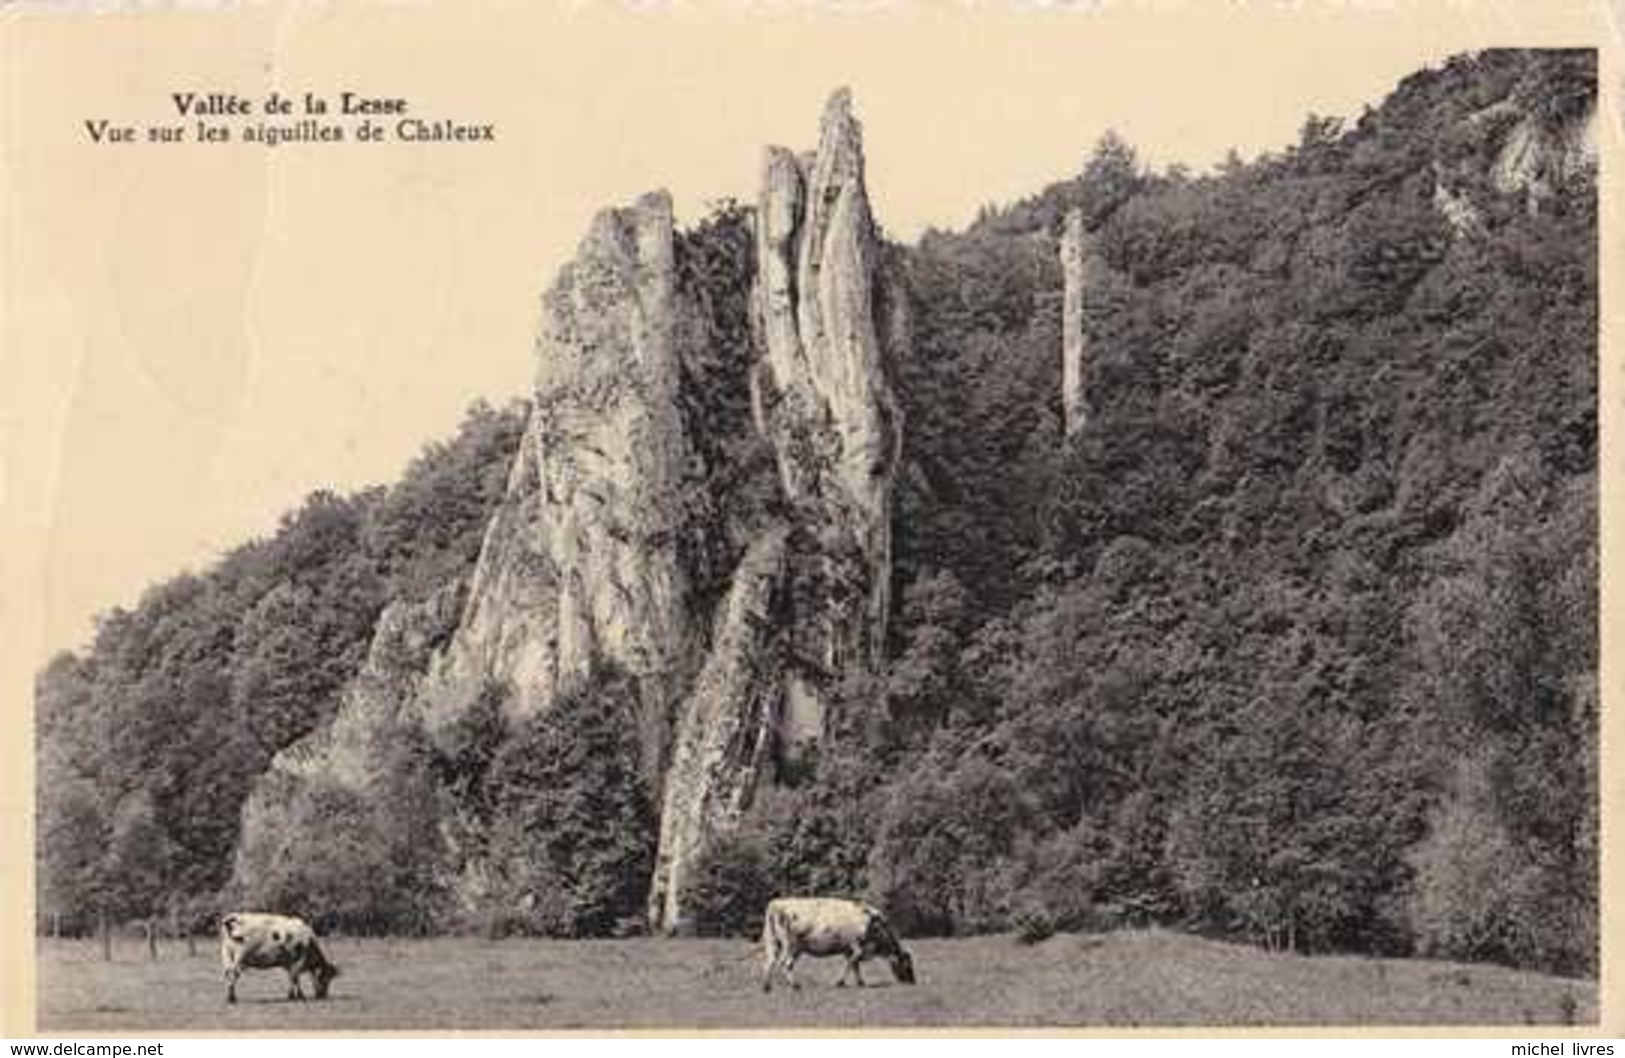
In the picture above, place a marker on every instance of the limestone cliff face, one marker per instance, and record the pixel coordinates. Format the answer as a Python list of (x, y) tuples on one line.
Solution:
[(725, 731), (1533, 156), (808, 602), (380, 695), (1537, 155), (1073, 408), (1088, 289), (609, 549), (1539, 135), (585, 565), (508, 633), (612, 454), (820, 393), (581, 567), (377, 698)]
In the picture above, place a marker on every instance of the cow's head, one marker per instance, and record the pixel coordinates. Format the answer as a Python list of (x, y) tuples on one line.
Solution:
[(324, 976), (902, 966)]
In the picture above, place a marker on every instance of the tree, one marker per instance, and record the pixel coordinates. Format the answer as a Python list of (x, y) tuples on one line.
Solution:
[(573, 834), (426, 529), (139, 858), (158, 733), (1111, 176), (730, 883), (943, 856), (71, 843), (366, 859), (924, 687)]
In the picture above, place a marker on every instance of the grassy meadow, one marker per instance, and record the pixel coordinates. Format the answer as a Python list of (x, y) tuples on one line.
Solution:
[(1124, 979)]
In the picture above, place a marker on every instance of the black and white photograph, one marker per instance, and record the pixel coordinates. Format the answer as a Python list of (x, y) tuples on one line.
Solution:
[(538, 518)]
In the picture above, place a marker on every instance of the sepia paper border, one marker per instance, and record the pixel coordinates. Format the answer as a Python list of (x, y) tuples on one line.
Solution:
[(113, 36)]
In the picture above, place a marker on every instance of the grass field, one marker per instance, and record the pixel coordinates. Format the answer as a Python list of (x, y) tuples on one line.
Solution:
[(1121, 979)]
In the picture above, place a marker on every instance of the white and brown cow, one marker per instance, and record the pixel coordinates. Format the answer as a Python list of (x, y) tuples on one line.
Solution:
[(820, 926), (251, 940)]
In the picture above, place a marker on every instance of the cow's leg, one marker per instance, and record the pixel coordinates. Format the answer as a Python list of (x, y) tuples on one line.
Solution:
[(769, 965), (855, 955), (771, 950), (232, 973), (790, 971), (782, 960), (294, 991)]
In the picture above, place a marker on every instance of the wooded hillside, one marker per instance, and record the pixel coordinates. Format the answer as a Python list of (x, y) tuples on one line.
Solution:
[(1295, 640)]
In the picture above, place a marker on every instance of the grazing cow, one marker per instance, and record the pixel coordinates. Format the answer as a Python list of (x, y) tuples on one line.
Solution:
[(254, 941), (819, 926)]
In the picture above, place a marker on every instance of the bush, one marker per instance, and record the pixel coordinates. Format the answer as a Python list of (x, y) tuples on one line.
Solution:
[(1481, 895), (572, 837), (1059, 895), (364, 862), (942, 861), (730, 884), (1033, 925)]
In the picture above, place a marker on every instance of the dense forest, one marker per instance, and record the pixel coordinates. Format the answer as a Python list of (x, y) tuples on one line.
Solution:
[(149, 743), (1294, 641)]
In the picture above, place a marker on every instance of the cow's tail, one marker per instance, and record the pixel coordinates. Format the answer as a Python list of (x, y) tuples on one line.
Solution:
[(228, 957)]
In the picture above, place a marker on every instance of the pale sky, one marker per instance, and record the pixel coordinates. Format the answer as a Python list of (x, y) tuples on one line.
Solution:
[(196, 337)]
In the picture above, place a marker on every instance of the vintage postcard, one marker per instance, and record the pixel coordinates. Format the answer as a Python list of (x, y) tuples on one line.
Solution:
[(788, 517)]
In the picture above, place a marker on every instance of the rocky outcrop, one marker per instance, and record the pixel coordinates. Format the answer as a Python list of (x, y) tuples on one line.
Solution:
[(820, 392), (612, 547), (508, 634), (1539, 154), (1089, 289), (612, 455), (1534, 137), (377, 698), (1455, 205), (808, 602), (354, 755), (580, 567), (725, 730), (1537, 136), (1073, 408), (585, 564)]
